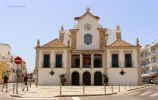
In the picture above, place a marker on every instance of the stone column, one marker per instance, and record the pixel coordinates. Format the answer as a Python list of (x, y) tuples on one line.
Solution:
[(121, 59), (92, 77), (68, 67), (139, 66), (81, 77), (52, 59), (104, 61), (37, 64), (92, 61), (37, 57), (81, 61)]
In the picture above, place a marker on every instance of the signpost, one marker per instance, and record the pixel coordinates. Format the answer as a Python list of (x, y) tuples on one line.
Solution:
[(17, 61)]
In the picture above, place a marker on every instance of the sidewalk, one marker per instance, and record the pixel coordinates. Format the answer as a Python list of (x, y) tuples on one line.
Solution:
[(54, 91)]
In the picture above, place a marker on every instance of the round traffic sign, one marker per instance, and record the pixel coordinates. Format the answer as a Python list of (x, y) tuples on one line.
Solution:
[(18, 60)]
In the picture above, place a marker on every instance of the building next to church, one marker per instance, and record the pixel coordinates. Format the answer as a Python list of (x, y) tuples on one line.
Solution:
[(86, 53), (149, 60), (6, 61), (7, 65), (4, 70)]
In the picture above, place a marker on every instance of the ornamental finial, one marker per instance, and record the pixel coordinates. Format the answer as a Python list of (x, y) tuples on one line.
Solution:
[(87, 9), (137, 41), (68, 43), (38, 43)]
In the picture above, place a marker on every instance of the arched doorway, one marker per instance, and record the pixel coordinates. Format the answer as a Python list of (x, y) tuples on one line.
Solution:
[(86, 78), (75, 78), (98, 78)]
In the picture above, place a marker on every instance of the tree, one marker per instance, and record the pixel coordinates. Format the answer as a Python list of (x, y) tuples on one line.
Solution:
[(105, 79), (62, 79)]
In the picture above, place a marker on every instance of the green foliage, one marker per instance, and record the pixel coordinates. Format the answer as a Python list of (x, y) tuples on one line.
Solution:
[(62, 79)]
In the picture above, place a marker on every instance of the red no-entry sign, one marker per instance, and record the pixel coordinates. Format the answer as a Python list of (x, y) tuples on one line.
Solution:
[(18, 60)]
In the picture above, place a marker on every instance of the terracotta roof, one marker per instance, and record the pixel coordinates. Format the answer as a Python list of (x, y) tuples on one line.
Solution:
[(120, 42), (56, 43), (87, 13)]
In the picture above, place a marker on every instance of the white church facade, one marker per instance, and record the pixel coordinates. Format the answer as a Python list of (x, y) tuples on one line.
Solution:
[(86, 53)]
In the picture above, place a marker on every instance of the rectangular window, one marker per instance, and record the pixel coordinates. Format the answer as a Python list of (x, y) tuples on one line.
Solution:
[(97, 61), (75, 61), (115, 62), (58, 61), (87, 61), (46, 61), (128, 60)]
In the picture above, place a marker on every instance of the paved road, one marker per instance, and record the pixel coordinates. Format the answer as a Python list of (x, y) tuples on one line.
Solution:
[(4, 95), (150, 93)]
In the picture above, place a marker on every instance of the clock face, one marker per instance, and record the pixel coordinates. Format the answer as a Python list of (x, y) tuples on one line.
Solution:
[(88, 39), (87, 27)]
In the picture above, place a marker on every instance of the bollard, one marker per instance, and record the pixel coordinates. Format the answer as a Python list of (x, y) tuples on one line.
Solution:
[(119, 87), (125, 86), (83, 89), (137, 86), (13, 88), (60, 90), (112, 88), (130, 86), (134, 86), (105, 88)]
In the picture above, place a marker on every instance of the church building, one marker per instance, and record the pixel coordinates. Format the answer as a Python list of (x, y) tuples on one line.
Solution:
[(87, 54)]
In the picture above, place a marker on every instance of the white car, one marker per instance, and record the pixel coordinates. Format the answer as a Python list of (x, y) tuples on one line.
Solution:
[(155, 80)]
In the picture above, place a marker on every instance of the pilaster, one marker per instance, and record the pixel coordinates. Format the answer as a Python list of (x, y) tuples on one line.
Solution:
[(52, 59), (139, 66), (92, 60), (68, 67), (81, 61), (73, 38), (104, 61)]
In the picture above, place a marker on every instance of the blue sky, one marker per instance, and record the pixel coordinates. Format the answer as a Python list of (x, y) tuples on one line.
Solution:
[(22, 22)]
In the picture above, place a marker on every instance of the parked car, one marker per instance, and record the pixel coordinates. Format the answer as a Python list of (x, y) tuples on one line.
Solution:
[(155, 80)]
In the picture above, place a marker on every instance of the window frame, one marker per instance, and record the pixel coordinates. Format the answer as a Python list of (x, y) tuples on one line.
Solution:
[(56, 60)]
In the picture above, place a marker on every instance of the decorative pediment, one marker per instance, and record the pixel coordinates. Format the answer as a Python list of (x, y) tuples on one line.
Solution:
[(121, 43), (85, 14), (56, 43)]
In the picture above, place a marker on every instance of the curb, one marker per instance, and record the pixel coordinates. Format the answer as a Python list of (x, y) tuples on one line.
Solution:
[(86, 95), (135, 88), (15, 95)]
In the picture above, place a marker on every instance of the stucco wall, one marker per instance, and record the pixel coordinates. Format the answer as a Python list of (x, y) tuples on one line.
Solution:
[(52, 57), (121, 53), (130, 76), (5, 51), (80, 45), (45, 79)]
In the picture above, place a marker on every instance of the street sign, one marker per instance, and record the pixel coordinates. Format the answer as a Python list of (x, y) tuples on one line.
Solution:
[(17, 60)]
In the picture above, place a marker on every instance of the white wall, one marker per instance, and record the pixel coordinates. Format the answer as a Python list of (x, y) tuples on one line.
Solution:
[(66, 37), (111, 37), (80, 45), (130, 76), (121, 53), (5, 51), (52, 57), (45, 79)]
